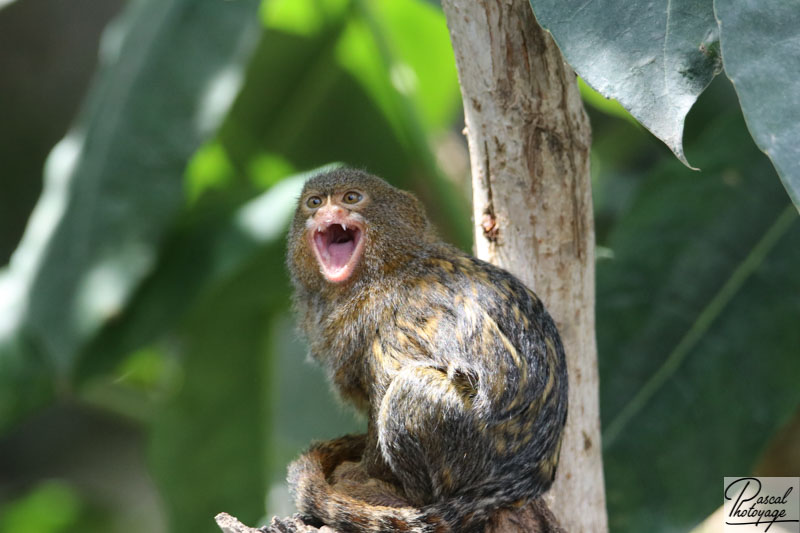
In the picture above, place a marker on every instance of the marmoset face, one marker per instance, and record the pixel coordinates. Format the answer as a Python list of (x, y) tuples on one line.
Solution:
[(335, 230), (351, 228)]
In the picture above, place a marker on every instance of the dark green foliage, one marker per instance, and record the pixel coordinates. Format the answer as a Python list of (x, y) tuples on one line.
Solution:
[(656, 58), (696, 329)]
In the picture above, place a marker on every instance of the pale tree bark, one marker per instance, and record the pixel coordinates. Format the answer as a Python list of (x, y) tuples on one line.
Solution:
[(529, 141)]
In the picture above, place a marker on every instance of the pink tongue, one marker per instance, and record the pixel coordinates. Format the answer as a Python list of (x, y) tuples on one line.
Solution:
[(340, 253)]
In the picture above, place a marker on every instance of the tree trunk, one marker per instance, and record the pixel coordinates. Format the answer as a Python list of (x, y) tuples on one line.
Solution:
[(529, 142)]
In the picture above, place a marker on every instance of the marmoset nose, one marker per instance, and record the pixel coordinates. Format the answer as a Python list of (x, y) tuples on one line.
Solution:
[(330, 211)]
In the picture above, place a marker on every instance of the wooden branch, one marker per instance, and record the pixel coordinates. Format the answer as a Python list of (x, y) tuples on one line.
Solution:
[(529, 141), (292, 524), (533, 518), (229, 524)]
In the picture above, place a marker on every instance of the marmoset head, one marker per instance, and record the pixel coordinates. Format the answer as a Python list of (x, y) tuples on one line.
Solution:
[(350, 224)]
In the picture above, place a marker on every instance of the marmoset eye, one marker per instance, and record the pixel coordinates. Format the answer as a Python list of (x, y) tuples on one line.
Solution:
[(352, 197)]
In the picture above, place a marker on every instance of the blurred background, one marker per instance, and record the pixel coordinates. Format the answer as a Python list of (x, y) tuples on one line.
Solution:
[(150, 155)]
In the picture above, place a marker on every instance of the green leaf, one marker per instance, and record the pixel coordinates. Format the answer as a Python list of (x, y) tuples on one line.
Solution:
[(601, 103), (400, 51), (210, 301), (414, 58), (51, 507), (697, 332), (169, 70), (207, 444), (761, 53), (320, 89), (654, 58), (214, 245)]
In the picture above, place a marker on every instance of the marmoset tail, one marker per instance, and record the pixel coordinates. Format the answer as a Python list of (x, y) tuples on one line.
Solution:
[(457, 365)]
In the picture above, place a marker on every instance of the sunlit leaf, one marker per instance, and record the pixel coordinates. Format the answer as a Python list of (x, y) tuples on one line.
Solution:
[(267, 169), (209, 168), (313, 97), (302, 17), (401, 53), (601, 103), (52, 507)]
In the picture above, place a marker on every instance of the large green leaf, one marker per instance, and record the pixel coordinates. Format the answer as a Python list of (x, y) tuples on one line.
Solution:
[(655, 58), (169, 70), (761, 51), (697, 331)]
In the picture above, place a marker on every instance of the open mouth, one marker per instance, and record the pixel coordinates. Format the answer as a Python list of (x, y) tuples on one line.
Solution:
[(337, 248)]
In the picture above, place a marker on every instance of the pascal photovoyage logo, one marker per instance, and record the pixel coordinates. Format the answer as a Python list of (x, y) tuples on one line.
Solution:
[(762, 504)]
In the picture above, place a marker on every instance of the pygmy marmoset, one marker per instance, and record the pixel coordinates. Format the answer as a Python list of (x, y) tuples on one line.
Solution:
[(456, 364)]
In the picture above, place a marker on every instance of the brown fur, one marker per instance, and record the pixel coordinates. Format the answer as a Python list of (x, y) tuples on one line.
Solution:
[(457, 365)]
